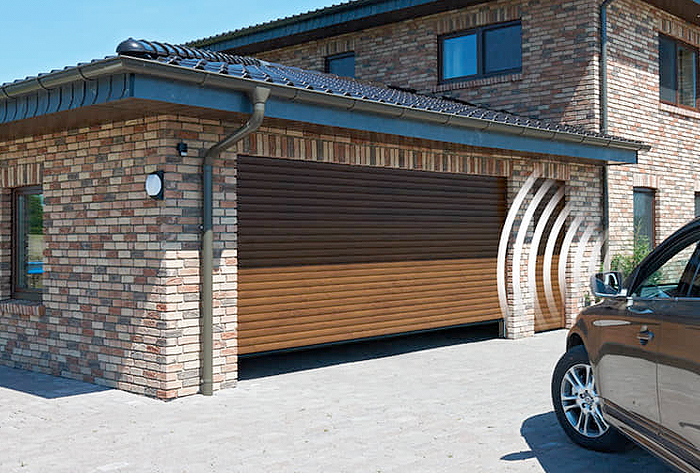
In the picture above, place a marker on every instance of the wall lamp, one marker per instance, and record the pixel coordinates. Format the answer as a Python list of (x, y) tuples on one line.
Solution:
[(182, 148), (155, 185)]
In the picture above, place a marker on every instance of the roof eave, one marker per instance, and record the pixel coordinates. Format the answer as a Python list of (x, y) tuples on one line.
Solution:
[(123, 64), (335, 20)]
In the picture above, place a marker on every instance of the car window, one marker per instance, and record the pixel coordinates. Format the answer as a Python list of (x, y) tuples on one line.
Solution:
[(695, 285), (673, 278)]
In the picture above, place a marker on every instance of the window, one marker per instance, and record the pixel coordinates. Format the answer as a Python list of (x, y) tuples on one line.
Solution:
[(341, 64), (697, 204), (672, 277), (482, 52), (644, 216), (28, 243), (678, 72)]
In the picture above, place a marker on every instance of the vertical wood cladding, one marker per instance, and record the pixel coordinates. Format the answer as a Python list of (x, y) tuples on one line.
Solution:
[(333, 252)]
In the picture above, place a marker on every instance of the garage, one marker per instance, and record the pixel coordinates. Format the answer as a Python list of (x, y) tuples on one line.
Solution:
[(333, 252)]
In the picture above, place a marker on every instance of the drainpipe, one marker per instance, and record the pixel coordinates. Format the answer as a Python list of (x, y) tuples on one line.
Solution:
[(604, 65), (258, 98), (604, 123)]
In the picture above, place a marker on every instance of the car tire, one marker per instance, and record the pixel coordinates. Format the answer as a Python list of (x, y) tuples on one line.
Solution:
[(576, 404)]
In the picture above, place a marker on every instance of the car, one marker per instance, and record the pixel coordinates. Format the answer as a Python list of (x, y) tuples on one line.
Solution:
[(632, 366)]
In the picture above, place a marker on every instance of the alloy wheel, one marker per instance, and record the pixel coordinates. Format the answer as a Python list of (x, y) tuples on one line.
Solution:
[(581, 403)]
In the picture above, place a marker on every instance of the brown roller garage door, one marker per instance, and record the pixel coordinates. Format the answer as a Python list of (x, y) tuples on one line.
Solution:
[(331, 252)]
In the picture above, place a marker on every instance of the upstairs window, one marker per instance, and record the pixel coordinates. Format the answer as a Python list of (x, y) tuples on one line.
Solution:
[(341, 64), (697, 204), (644, 213), (678, 73), (28, 243), (482, 52)]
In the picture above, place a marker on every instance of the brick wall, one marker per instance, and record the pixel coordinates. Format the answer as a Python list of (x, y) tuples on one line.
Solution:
[(121, 304), (671, 167), (559, 73), (5, 242), (559, 81), (104, 317)]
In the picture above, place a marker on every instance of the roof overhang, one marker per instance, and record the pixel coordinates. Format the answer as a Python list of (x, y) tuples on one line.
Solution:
[(116, 82), (689, 10), (363, 14), (325, 22)]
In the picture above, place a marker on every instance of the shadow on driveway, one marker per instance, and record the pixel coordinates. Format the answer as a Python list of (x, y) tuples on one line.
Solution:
[(270, 364), (557, 454), (44, 385)]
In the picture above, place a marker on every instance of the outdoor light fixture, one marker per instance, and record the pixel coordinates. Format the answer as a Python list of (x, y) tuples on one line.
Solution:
[(155, 185), (182, 148)]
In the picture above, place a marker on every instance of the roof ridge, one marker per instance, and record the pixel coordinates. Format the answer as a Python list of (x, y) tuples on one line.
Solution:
[(155, 49)]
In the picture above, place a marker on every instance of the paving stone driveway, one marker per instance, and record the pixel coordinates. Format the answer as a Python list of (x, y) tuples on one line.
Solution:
[(455, 401)]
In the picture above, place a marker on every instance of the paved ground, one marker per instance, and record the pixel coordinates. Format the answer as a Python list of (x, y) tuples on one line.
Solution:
[(449, 402)]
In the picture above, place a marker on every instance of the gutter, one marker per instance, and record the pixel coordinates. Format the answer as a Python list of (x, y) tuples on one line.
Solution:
[(54, 80), (258, 97), (294, 94), (125, 64)]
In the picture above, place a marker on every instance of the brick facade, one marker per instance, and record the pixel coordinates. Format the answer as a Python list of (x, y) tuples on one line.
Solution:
[(559, 81), (559, 64), (121, 302), (671, 166)]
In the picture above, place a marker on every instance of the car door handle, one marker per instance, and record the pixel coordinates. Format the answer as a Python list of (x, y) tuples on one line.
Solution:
[(645, 336), (640, 311)]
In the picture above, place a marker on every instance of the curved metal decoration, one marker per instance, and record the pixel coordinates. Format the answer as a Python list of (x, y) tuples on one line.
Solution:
[(564, 256), (522, 232), (580, 250), (549, 251), (503, 242), (597, 245), (534, 247)]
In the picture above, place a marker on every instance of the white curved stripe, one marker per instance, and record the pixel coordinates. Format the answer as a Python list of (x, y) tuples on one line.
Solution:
[(580, 250), (597, 245), (522, 232), (536, 238), (549, 251), (503, 242), (564, 256), (606, 256)]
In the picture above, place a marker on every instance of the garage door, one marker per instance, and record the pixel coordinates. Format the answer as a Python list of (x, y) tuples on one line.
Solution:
[(332, 252)]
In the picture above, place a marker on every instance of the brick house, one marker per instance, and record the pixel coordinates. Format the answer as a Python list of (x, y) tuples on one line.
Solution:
[(339, 209), (556, 76)]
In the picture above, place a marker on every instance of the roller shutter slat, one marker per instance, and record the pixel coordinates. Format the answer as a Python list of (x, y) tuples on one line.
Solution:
[(333, 252)]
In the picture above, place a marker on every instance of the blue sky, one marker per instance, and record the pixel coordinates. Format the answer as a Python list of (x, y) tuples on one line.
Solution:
[(41, 35)]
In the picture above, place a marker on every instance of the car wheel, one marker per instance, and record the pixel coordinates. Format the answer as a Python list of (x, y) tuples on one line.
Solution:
[(577, 407)]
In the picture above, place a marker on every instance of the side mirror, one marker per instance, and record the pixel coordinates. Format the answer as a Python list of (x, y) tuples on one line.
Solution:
[(606, 284)]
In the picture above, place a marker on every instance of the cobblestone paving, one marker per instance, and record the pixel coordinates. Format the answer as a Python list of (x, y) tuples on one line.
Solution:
[(455, 401)]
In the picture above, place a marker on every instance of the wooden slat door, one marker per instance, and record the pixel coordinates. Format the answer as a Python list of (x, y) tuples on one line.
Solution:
[(548, 317), (331, 252)]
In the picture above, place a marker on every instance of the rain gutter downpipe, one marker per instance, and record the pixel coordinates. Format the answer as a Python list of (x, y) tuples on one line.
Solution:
[(604, 124), (258, 98), (604, 65)]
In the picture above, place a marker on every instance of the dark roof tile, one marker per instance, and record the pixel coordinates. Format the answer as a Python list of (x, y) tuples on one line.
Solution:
[(266, 72)]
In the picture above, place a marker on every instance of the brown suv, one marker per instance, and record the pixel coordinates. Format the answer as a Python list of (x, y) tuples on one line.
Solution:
[(632, 366)]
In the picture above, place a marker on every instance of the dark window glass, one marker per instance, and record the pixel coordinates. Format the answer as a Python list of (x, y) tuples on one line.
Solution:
[(502, 49), (459, 56), (28, 245), (481, 52), (644, 217), (672, 278), (667, 69), (687, 85), (697, 204), (341, 65), (678, 72)]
